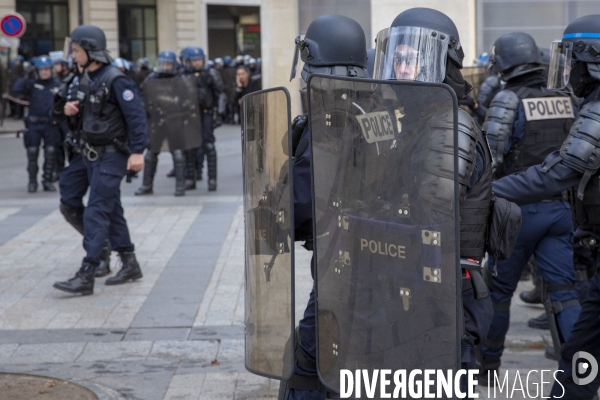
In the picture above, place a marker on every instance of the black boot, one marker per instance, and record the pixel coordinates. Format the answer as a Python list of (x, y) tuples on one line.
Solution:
[(32, 168), (82, 282), (190, 169), (199, 162), (150, 161), (539, 322), (103, 268), (60, 164), (130, 270), (211, 162), (49, 168), (532, 297), (179, 167)]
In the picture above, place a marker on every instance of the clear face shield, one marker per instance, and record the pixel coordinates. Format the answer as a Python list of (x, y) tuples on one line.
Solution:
[(411, 54), (559, 70), (165, 67)]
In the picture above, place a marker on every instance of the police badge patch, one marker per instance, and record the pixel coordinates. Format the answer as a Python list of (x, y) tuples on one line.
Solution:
[(127, 95)]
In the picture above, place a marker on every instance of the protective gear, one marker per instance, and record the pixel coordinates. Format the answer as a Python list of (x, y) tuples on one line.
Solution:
[(488, 90), (268, 207), (179, 167), (104, 121), (130, 270), (548, 116), (167, 62), (553, 309), (515, 54), (150, 162), (321, 53), (190, 169), (173, 112), (49, 165), (143, 63), (43, 62), (219, 62), (93, 41), (417, 46), (121, 63), (227, 60), (32, 167), (483, 59), (195, 53), (365, 136), (576, 58), (82, 282), (103, 268), (211, 163), (580, 151), (499, 123)]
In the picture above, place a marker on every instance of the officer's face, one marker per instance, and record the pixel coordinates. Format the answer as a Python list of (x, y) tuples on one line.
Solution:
[(45, 73), (58, 68), (79, 55), (405, 63), (197, 64)]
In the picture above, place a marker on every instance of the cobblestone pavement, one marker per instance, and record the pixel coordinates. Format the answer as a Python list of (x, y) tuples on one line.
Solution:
[(178, 332)]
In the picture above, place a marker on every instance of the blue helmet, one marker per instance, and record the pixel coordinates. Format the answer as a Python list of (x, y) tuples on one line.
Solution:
[(195, 53), (43, 62), (227, 60), (167, 62), (183, 54)]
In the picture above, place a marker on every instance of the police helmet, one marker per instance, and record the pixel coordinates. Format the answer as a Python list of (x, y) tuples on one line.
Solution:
[(576, 58), (93, 41), (195, 53), (227, 60), (219, 62), (167, 62), (515, 54), (210, 64), (333, 45), (121, 63), (483, 60), (239, 60), (43, 62), (418, 45), (143, 63)]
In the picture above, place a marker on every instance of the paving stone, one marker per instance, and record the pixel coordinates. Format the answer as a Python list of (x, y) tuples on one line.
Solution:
[(46, 353), (123, 351), (201, 351)]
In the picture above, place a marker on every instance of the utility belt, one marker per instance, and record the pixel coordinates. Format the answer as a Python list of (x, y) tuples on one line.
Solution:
[(92, 153), (564, 196), (41, 120)]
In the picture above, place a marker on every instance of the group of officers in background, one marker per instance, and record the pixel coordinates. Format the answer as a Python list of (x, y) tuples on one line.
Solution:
[(35, 83)]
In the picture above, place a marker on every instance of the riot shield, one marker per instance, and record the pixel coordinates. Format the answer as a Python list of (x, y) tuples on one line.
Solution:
[(173, 113), (385, 188), (269, 233), (475, 76)]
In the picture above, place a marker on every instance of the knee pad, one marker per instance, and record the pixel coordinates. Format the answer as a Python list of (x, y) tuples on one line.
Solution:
[(33, 152), (178, 156), (73, 215)]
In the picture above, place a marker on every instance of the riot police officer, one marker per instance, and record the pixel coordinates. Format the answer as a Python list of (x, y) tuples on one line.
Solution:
[(165, 69), (41, 124), (347, 36), (575, 60), (475, 170), (520, 137), (209, 90), (113, 127)]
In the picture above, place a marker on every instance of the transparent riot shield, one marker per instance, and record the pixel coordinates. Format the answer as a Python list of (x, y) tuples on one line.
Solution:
[(385, 187), (269, 233), (173, 113)]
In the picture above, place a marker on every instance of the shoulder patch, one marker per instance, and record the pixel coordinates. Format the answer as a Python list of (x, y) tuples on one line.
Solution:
[(127, 95)]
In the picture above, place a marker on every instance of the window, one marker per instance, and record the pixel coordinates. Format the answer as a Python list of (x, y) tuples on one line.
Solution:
[(137, 30), (47, 26)]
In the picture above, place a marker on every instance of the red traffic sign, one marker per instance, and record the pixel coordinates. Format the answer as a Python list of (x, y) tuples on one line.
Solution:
[(13, 25)]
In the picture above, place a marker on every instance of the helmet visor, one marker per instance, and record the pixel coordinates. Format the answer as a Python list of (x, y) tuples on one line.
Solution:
[(165, 66), (408, 53), (559, 70)]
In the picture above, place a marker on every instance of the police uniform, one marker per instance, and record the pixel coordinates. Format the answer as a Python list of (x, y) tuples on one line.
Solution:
[(559, 172), (522, 130), (41, 124)]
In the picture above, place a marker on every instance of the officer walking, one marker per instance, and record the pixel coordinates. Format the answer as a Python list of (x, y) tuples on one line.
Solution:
[(209, 90), (41, 123), (115, 134), (165, 69), (574, 60), (520, 137)]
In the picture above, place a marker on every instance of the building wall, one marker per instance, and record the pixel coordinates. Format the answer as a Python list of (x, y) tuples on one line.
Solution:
[(103, 13)]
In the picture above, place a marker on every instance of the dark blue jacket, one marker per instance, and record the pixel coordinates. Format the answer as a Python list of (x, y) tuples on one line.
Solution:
[(41, 95)]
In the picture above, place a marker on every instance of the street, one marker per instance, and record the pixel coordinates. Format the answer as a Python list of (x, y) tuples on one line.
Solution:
[(178, 332)]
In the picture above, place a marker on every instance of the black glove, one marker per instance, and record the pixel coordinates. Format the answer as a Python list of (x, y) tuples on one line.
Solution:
[(298, 125), (467, 101)]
